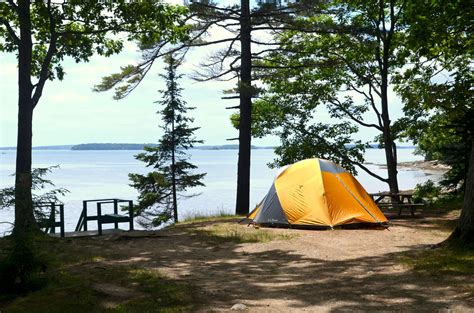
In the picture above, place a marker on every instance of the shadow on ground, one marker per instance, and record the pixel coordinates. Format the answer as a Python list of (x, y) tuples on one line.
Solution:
[(276, 279)]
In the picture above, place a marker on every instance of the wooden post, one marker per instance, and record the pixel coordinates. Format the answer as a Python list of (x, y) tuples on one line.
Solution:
[(130, 213), (115, 212), (53, 218), (99, 214), (61, 219), (84, 210)]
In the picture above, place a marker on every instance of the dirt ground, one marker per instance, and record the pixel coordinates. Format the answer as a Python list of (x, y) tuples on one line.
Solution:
[(317, 271)]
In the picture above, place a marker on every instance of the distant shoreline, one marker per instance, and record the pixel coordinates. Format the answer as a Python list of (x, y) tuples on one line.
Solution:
[(434, 166), (133, 146)]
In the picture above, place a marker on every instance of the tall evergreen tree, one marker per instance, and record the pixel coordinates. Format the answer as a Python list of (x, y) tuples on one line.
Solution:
[(158, 199), (239, 28)]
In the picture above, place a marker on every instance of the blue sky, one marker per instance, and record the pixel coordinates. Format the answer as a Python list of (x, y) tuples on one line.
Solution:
[(71, 113)]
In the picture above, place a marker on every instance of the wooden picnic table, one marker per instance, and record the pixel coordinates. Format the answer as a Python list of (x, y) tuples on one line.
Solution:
[(400, 200)]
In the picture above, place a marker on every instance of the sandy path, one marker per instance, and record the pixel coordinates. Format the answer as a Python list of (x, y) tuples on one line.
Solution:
[(319, 271)]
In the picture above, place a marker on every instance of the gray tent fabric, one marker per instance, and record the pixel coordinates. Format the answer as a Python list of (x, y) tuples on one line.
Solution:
[(330, 167), (271, 211)]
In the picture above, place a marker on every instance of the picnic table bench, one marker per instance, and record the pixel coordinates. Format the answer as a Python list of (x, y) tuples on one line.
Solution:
[(111, 218), (398, 200)]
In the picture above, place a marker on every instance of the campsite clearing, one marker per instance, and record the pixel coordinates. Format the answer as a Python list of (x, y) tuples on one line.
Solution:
[(200, 267)]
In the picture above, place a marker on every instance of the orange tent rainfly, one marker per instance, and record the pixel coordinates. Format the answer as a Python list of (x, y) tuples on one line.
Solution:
[(316, 193)]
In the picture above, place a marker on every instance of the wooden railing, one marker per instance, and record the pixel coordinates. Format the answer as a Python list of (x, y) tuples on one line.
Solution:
[(114, 218), (49, 224)]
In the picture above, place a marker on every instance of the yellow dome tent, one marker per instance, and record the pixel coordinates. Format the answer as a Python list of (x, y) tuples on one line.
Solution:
[(316, 193)]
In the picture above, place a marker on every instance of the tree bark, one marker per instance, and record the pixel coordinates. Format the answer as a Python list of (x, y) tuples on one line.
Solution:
[(243, 170), (389, 145), (465, 228), (24, 218), (173, 178), (173, 151)]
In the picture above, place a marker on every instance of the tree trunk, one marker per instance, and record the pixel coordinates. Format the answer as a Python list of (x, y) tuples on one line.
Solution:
[(389, 145), (24, 218), (173, 170), (243, 171), (390, 152), (173, 178), (173, 138), (465, 228)]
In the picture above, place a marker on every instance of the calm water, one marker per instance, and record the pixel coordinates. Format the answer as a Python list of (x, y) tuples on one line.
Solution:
[(104, 174)]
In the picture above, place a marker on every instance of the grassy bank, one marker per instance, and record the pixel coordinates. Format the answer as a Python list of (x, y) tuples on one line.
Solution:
[(210, 263), (100, 274), (447, 259), (82, 279)]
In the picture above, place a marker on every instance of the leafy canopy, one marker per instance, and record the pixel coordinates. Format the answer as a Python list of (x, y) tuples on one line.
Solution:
[(80, 29), (339, 63), (437, 87)]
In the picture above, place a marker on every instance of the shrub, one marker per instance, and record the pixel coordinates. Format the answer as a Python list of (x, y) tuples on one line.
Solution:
[(426, 191)]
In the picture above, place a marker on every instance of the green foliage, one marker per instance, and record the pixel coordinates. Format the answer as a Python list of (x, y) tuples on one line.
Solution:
[(171, 30), (339, 66), (164, 294), (454, 258), (448, 202), (440, 119), (427, 190), (169, 159), (43, 33), (7, 195), (22, 264), (220, 216), (436, 89), (80, 270), (225, 232), (80, 29)]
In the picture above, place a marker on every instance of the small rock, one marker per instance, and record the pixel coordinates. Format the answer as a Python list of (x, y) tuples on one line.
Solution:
[(239, 307)]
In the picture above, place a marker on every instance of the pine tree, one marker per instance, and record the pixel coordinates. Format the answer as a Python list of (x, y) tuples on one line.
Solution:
[(158, 199)]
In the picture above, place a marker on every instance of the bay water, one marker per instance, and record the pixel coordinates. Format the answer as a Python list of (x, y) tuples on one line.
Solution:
[(104, 174)]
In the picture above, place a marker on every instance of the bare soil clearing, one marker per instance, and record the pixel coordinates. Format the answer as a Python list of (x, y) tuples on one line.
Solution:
[(314, 271)]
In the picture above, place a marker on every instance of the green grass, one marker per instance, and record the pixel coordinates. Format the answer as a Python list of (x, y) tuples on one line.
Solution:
[(149, 292), (78, 268), (446, 203), (63, 294), (208, 218), (160, 293), (455, 258), (227, 232)]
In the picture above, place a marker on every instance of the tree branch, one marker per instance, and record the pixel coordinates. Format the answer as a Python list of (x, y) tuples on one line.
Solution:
[(13, 5), (208, 6), (356, 72), (363, 167), (374, 107), (264, 43), (11, 31), (44, 72), (339, 105)]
